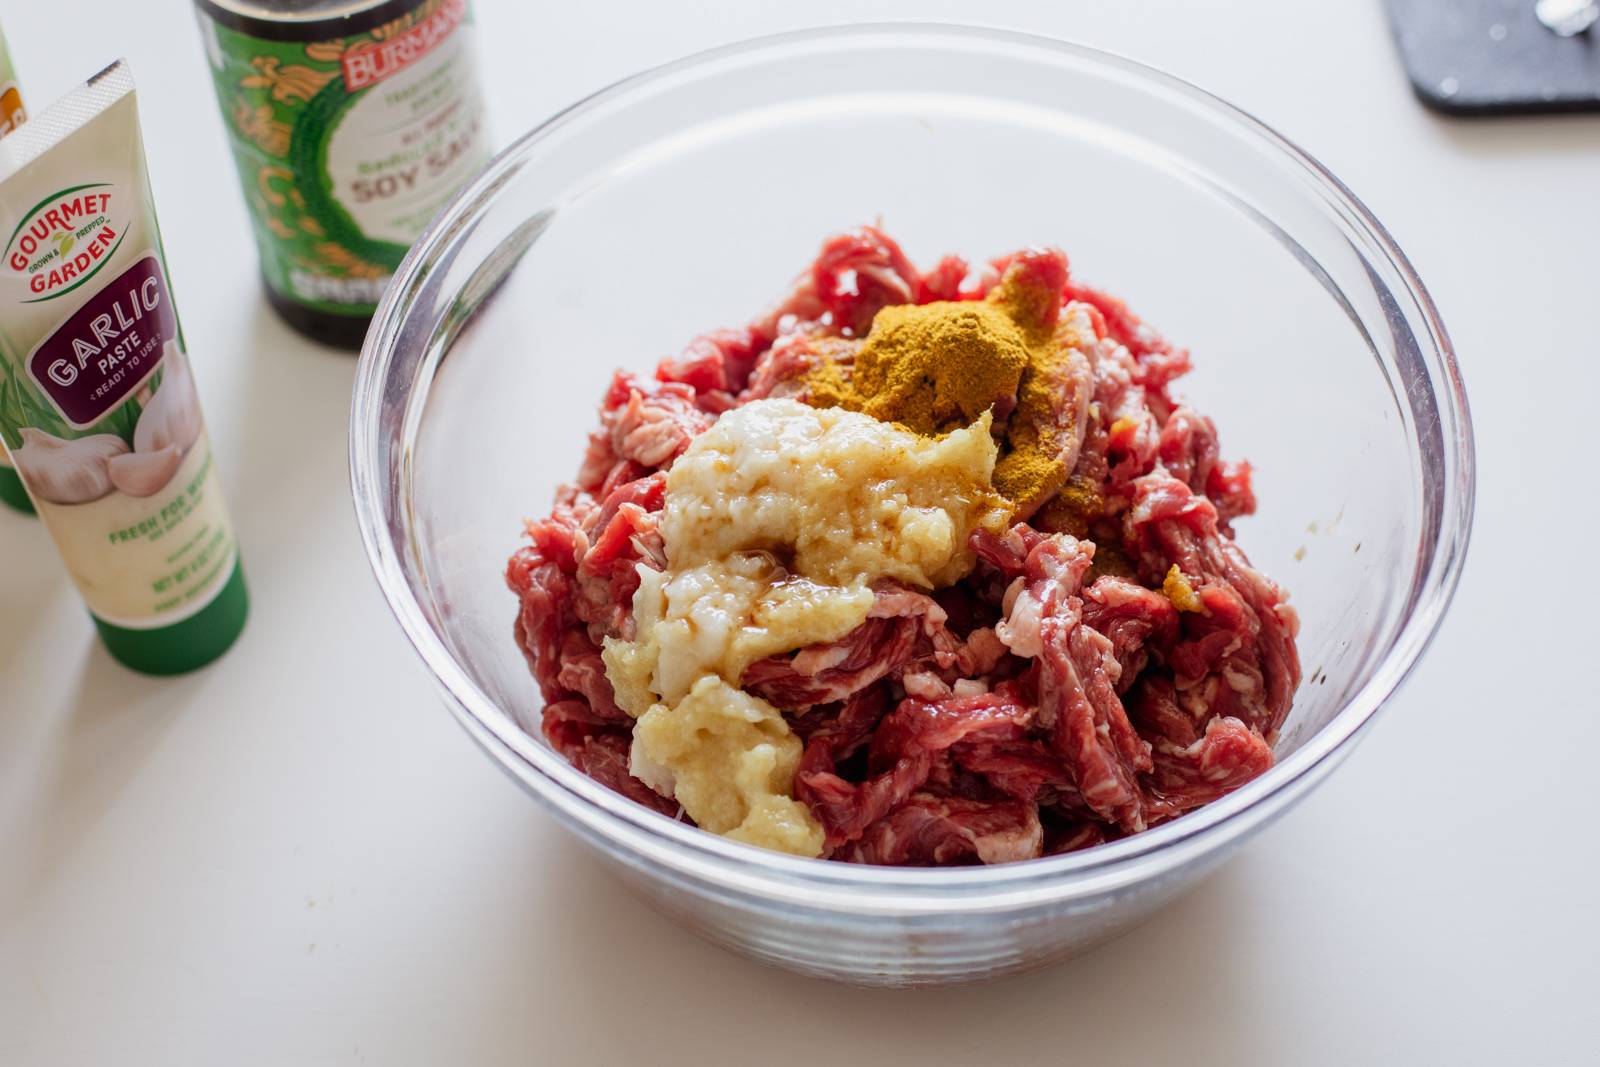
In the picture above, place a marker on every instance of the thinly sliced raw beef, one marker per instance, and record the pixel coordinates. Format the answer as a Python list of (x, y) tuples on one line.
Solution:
[(1109, 664)]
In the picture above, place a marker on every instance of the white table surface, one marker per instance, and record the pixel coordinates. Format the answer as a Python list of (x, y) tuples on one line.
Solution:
[(295, 857)]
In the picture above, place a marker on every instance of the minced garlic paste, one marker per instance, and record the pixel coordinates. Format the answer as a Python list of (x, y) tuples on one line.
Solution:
[(718, 618), (776, 522), (848, 498), (729, 758)]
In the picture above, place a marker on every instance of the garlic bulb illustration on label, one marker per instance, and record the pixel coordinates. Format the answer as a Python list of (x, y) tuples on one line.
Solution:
[(167, 428), (171, 419), (68, 472)]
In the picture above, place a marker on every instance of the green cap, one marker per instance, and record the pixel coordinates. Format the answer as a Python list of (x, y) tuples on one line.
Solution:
[(187, 645)]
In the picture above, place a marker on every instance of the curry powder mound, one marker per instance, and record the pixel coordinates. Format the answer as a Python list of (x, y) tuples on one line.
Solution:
[(1073, 509), (931, 368), (1032, 469), (936, 367)]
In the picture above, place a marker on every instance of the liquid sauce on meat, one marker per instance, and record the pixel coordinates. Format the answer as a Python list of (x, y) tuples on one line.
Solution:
[(775, 524)]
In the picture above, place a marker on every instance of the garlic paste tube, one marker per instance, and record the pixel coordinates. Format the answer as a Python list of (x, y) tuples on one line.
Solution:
[(97, 398)]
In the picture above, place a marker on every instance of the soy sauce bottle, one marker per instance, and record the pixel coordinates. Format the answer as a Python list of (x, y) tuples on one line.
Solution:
[(352, 122)]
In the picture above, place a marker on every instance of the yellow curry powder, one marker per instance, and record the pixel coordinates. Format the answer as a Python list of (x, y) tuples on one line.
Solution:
[(1072, 509), (931, 367), (1031, 470), (936, 367)]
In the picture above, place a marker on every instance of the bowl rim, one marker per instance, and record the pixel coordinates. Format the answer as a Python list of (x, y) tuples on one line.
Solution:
[(711, 857)]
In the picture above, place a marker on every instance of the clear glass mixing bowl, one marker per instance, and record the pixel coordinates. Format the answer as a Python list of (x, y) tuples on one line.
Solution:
[(685, 198)]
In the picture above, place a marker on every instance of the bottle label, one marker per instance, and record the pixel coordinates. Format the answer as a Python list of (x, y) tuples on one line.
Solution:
[(154, 556), (106, 349), (347, 148), (11, 113), (11, 116)]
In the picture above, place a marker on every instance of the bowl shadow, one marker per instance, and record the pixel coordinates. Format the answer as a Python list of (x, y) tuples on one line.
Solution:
[(608, 946)]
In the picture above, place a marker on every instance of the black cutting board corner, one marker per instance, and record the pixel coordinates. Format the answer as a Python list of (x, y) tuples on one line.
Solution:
[(1485, 57)]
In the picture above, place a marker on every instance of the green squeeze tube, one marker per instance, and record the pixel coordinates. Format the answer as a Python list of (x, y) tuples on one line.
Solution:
[(352, 123), (11, 116), (100, 400)]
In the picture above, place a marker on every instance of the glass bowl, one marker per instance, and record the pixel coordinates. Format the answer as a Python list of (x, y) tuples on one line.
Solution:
[(686, 198)]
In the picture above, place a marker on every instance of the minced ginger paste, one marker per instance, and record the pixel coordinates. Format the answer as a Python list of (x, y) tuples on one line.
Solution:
[(776, 522)]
